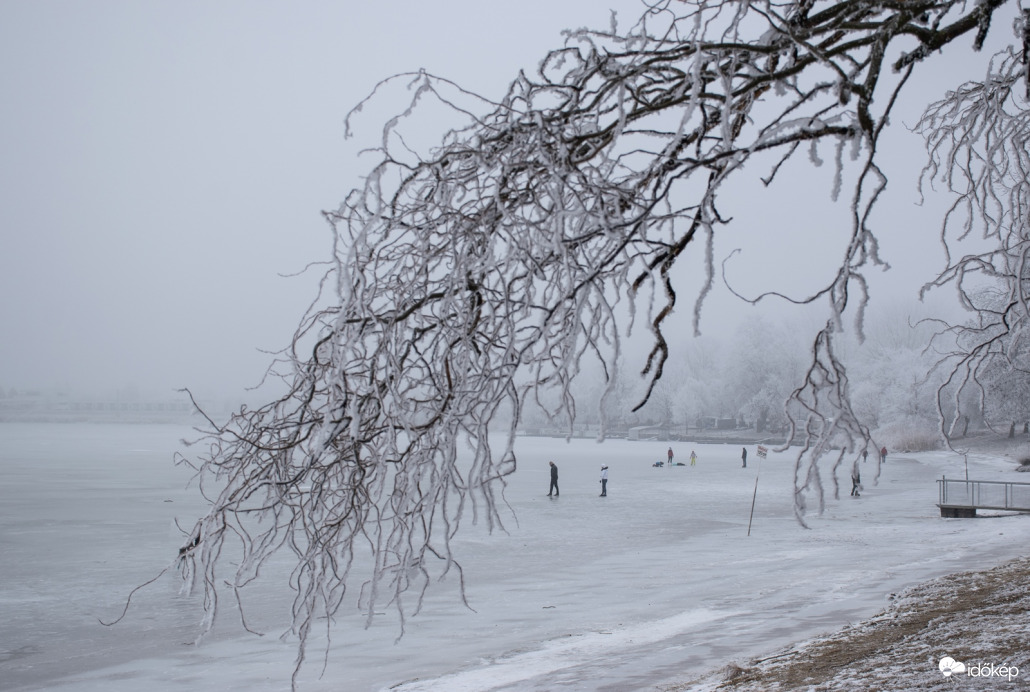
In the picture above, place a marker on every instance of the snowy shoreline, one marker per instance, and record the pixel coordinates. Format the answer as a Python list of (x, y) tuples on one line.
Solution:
[(978, 618)]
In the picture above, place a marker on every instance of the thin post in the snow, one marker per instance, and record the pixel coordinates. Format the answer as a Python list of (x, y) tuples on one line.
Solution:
[(753, 498), (761, 455)]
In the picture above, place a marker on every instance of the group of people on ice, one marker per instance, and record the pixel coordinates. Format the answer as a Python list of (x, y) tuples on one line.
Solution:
[(553, 490), (693, 460), (856, 478)]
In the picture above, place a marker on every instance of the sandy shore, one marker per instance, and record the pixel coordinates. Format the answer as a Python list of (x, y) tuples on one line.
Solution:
[(978, 618)]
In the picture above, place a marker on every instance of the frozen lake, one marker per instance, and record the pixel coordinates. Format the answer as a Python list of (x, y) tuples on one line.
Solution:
[(657, 581)]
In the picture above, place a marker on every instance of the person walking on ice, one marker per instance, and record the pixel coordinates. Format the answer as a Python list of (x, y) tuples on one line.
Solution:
[(604, 481), (693, 457), (670, 456), (554, 480), (743, 457)]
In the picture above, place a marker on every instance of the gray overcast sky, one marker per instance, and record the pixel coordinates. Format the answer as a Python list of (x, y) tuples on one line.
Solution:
[(162, 163)]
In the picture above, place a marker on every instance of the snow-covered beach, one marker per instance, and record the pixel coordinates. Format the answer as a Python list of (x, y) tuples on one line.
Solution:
[(657, 583)]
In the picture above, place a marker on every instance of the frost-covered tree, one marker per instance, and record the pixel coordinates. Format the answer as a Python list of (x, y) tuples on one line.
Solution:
[(987, 369), (979, 142), (482, 274), (699, 390), (764, 363), (1005, 376), (895, 380)]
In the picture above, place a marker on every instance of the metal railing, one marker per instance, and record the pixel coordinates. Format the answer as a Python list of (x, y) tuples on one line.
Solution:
[(984, 494)]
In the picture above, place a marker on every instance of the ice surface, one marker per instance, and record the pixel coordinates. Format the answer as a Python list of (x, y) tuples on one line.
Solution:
[(658, 581)]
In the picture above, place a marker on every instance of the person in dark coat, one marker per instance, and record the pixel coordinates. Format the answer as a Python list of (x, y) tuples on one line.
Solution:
[(604, 481), (856, 482), (743, 457), (554, 480), (670, 456), (883, 455)]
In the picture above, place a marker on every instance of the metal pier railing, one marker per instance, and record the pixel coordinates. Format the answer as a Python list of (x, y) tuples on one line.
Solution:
[(960, 498)]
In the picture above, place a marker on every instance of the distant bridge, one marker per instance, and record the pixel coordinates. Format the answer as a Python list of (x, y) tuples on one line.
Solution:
[(960, 498)]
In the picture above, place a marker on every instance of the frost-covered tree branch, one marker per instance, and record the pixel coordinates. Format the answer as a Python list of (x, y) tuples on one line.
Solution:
[(476, 276), (978, 138)]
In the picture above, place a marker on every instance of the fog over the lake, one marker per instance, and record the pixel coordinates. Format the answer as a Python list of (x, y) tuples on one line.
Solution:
[(164, 165)]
